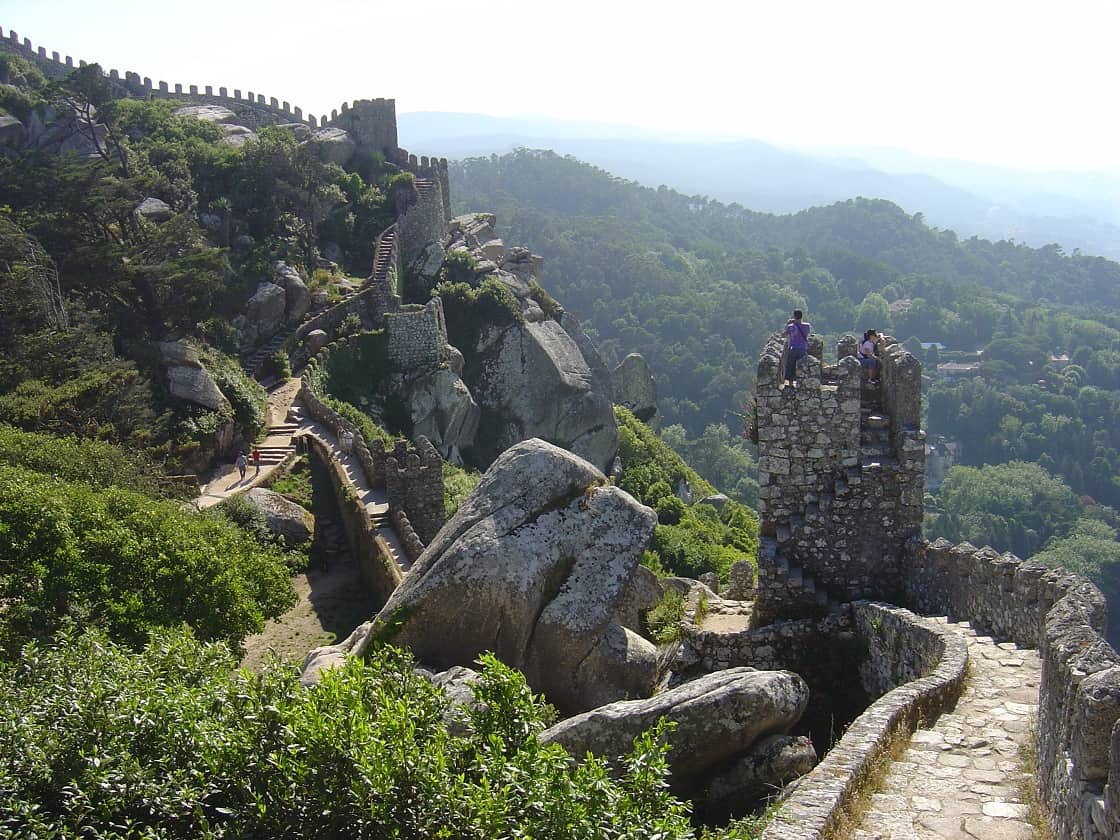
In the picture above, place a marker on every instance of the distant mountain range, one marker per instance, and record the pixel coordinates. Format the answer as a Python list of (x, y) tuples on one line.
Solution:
[(1075, 210)]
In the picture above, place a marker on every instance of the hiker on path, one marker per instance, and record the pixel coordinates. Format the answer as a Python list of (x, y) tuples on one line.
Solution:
[(257, 461), (797, 332), (242, 464)]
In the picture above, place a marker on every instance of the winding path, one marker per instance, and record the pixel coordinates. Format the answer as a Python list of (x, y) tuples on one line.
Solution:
[(960, 776), (287, 421)]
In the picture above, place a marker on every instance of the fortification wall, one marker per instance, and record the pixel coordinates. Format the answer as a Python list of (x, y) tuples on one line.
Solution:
[(421, 230), (432, 168), (900, 645), (414, 484), (1062, 614), (375, 560), (417, 335), (832, 509), (373, 122)]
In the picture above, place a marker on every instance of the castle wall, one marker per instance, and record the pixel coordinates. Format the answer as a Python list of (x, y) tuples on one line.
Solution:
[(832, 511), (1062, 614), (375, 561), (417, 335), (414, 483), (900, 645), (373, 123), (421, 225)]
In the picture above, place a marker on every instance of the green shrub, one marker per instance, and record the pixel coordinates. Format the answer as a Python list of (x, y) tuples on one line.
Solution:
[(467, 310), (664, 620), (459, 266), (548, 304), (457, 485), (295, 484), (113, 558), (690, 540), (670, 510), (247, 398), (173, 742), (350, 325), (75, 460), (277, 365)]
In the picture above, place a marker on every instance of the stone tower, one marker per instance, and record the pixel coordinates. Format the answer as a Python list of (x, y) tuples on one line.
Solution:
[(841, 477)]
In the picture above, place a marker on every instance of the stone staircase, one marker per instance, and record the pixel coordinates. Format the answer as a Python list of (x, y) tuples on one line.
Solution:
[(383, 257), (424, 186), (776, 550)]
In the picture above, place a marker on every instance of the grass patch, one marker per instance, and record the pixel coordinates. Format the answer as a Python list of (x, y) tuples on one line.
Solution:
[(873, 781), (1028, 761), (664, 620), (295, 484)]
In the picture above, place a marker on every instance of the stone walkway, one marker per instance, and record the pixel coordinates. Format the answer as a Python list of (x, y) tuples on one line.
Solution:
[(225, 481), (959, 778)]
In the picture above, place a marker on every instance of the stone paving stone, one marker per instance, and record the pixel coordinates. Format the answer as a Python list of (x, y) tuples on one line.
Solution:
[(959, 777)]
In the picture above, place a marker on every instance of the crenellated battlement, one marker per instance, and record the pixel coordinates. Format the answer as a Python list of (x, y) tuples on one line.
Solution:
[(372, 121), (841, 477), (414, 483)]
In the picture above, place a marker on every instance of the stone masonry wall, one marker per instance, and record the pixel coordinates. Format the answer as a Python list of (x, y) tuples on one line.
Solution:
[(1062, 614), (901, 645), (417, 335), (829, 514), (375, 561), (414, 483)]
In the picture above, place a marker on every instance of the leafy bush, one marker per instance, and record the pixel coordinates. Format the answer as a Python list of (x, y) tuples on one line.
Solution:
[(277, 365), (457, 485), (246, 396), (75, 460), (664, 620), (548, 304), (295, 484), (690, 540), (467, 310), (113, 558), (173, 742)]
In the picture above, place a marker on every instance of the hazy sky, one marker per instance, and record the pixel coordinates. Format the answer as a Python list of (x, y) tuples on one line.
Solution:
[(1023, 83)]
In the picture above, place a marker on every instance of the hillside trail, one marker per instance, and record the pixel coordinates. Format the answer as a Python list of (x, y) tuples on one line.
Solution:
[(277, 442), (961, 775), (332, 601)]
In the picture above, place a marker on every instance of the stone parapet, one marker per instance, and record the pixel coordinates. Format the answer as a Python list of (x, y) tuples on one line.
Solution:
[(900, 644), (375, 560), (414, 484), (410, 540), (1062, 614)]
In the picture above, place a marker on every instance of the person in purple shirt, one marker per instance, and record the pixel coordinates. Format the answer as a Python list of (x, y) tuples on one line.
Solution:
[(797, 331)]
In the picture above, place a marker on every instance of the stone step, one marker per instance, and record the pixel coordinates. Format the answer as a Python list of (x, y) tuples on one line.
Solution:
[(875, 419), (283, 429)]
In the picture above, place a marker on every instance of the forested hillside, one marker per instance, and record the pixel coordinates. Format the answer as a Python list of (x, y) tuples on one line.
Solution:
[(696, 286)]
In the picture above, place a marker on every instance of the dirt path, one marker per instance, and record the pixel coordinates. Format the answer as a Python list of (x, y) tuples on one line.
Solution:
[(331, 604)]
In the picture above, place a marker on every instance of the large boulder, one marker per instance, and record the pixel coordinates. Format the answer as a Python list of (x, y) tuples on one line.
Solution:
[(154, 209), (193, 383), (333, 145), (643, 593), (718, 717), (293, 523), (766, 767), (531, 380), (187, 379), (207, 113), (13, 133), (533, 567), (443, 410), (297, 297), (264, 312), (635, 389)]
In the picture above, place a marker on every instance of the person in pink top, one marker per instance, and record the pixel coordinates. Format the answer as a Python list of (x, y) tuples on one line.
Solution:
[(797, 333)]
